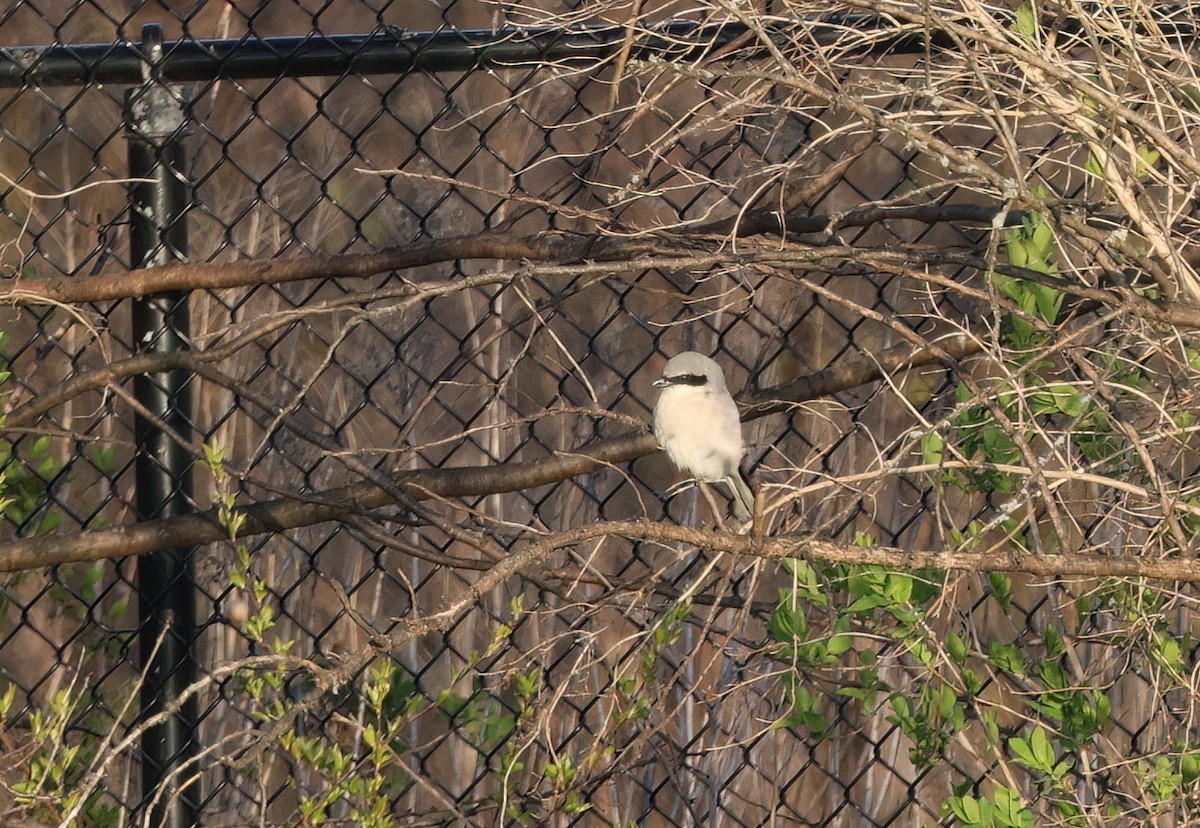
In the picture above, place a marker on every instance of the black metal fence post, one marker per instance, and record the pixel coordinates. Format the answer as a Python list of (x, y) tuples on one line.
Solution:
[(155, 120)]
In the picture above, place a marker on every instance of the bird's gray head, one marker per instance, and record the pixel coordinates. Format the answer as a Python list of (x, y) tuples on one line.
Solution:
[(691, 370)]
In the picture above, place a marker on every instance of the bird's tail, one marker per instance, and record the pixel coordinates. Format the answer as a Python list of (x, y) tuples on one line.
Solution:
[(742, 493)]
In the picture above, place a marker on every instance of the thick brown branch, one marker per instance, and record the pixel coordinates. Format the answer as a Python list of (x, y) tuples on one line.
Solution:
[(803, 546), (339, 503), (790, 546), (29, 413), (277, 271), (279, 515), (859, 370), (543, 247)]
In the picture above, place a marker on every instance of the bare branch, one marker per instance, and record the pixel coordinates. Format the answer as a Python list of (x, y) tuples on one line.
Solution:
[(543, 247)]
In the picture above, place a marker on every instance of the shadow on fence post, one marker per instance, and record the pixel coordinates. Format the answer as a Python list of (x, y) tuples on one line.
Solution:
[(155, 121)]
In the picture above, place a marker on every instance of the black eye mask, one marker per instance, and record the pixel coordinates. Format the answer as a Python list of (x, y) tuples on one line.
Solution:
[(687, 379)]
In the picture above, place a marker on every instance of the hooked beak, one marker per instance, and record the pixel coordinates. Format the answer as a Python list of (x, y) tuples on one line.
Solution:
[(661, 383)]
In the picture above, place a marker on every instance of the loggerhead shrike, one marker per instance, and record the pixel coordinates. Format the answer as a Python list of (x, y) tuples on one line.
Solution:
[(696, 422)]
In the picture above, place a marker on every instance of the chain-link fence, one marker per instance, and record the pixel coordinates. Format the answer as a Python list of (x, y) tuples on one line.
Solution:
[(621, 681)]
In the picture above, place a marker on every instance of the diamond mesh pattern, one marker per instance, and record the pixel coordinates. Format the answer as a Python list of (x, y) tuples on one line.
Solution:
[(468, 378)]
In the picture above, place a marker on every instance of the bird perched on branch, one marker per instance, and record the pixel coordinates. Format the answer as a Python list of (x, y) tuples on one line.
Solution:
[(696, 422)]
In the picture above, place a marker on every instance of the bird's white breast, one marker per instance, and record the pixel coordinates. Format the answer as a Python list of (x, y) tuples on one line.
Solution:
[(700, 431)]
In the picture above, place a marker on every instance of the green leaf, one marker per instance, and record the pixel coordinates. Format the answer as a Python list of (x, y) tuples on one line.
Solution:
[(1189, 767), (1023, 334), (1052, 675), (1025, 24), (1042, 238), (947, 702), (1001, 588), (214, 456), (1147, 157), (1037, 753), (788, 624), (991, 726), (1054, 643), (932, 448), (1022, 752), (971, 812), (922, 652), (839, 644), (1048, 300), (864, 540), (806, 581), (1009, 810), (1018, 256), (1070, 400), (50, 523), (868, 603), (899, 587), (1189, 96), (41, 446), (1169, 653), (1007, 657), (972, 682), (956, 648), (1043, 751)]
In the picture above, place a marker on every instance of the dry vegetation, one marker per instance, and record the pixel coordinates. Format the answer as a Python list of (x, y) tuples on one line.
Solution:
[(945, 252)]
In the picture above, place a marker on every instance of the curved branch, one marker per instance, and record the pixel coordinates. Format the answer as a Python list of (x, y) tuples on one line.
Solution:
[(338, 503), (177, 277), (279, 515), (334, 504), (805, 546), (199, 361), (542, 247), (859, 370), (26, 415), (787, 546), (757, 222)]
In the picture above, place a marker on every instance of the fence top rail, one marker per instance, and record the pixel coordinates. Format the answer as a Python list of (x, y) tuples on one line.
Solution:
[(380, 52), (393, 50), (388, 50)]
